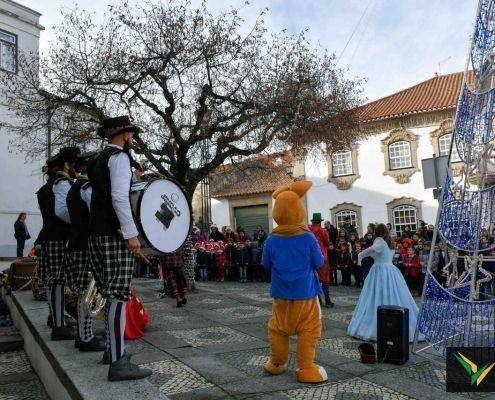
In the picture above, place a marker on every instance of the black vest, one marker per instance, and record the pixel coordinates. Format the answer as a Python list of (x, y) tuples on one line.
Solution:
[(103, 220), (53, 227), (79, 216)]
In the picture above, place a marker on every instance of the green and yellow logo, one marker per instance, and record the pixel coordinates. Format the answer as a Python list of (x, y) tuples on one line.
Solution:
[(476, 374)]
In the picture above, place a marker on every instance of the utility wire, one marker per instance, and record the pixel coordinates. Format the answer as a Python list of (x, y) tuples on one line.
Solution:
[(366, 26), (354, 31)]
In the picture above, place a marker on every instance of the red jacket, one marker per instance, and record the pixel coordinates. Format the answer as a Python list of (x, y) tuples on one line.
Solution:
[(221, 260), (412, 266)]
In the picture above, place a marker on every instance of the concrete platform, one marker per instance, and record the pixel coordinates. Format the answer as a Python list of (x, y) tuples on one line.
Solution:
[(64, 372)]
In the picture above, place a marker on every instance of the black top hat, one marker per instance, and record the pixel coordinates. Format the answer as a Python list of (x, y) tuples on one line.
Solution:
[(84, 158), (68, 154), (52, 161), (113, 126)]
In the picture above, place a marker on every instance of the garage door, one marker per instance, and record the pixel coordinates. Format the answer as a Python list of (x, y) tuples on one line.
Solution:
[(250, 217)]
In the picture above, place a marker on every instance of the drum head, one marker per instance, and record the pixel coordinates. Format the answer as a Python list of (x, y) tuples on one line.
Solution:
[(165, 215)]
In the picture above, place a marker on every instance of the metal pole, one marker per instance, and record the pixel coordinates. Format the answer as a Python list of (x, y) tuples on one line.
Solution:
[(48, 133)]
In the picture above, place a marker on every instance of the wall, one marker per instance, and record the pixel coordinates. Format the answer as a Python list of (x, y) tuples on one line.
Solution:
[(20, 180), (220, 212), (372, 190)]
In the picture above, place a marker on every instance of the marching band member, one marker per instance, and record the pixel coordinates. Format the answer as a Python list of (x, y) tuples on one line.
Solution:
[(113, 239), (50, 169), (52, 201), (78, 200)]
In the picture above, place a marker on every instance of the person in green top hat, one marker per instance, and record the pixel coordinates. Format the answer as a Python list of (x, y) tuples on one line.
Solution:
[(321, 235)]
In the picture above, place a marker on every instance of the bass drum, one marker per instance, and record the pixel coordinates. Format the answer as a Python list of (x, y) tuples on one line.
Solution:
[(163, 215)]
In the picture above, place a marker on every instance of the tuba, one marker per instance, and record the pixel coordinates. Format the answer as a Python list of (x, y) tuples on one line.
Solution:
[(93, 301)]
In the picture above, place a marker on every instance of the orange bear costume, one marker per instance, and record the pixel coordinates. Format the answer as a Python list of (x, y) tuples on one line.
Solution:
[(293, 255)]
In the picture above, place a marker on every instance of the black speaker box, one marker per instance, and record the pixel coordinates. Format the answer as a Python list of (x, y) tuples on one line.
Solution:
[(392, 334)]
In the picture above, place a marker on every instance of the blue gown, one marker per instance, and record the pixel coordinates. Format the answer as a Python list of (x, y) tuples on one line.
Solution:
[(384, 285)]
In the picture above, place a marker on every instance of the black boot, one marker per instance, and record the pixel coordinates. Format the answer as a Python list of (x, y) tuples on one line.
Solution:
[(63, 333), (95, 344), (77, 343), (107, 358), (49, 322), (124, 370)]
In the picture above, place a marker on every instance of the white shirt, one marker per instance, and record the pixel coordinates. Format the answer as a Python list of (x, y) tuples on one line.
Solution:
[(120, 180), (60, 191)]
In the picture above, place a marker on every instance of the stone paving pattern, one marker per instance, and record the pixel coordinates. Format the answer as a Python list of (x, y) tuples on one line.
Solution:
[(18, 381), (215, 348)]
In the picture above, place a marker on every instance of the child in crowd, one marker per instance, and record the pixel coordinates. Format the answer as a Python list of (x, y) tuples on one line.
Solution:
[(231, 254), (412, 270), (353, 240), (202, 261), (397, 259), (367, 262), (341, 238), (212, 261), (221, 261), (344, 263), (242, 261), (356, 269), (333, 256)]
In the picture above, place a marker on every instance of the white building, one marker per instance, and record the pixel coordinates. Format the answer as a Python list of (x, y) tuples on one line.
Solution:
[(19, 32), (380, 178)]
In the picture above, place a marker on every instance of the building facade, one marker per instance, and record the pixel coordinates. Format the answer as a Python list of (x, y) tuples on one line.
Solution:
[(378, 179), (19, 32)]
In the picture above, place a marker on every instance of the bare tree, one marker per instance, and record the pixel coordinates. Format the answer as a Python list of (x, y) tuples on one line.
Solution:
[(201, 91)]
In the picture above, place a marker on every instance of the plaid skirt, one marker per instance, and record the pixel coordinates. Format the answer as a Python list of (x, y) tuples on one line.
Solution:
[(42, 270), (112, 264), (80, 265), (57, 270)]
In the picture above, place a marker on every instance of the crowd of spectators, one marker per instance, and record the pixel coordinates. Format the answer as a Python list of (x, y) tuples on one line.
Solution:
[(229, 254), (235, 255)]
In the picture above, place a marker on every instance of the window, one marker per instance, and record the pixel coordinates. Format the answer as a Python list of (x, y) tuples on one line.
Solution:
[(342, 163), (8, 51), (341, 216), (404, 216), (400, 155), (444, 147)]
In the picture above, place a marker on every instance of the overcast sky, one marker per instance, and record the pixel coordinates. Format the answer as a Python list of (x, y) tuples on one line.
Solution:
[(393, 44)]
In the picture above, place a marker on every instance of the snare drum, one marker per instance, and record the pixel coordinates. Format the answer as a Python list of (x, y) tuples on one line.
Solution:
[(163, 215)]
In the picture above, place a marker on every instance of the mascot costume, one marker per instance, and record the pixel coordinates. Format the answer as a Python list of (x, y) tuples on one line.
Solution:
[(293, 255)]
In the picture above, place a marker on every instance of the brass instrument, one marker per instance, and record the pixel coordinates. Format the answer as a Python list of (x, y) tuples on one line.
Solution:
[(93, 301)]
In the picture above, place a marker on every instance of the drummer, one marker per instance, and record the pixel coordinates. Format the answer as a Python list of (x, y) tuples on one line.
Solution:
[(113, 239)]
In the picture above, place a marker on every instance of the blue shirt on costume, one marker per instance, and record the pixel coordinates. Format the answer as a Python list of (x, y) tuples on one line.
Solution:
[(293, 262)]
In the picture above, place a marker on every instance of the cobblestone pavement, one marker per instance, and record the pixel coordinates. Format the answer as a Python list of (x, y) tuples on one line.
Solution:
[(215, 348), (17, 379)]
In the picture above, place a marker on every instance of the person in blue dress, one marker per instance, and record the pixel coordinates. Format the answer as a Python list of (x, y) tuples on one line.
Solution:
[(384, 285)]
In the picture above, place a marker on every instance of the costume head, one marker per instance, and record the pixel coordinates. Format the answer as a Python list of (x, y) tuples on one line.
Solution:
[(288, 208)]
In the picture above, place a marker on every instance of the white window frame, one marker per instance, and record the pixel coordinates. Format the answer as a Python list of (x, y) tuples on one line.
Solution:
[(341, 215), (407, 155), (8, 41), (444, 147), (342, 163), (400, 227)]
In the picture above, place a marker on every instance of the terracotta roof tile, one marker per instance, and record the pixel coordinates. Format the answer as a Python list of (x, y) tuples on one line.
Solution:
[(256, 182), (438, 93)]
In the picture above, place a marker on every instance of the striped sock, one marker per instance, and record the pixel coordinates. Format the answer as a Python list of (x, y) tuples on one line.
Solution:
[(116, 325)]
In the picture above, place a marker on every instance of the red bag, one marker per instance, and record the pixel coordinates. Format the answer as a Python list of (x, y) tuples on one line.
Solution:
[(136, 318)]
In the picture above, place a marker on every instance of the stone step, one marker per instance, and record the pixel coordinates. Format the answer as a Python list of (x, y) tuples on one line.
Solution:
[(10, 339), (64, 372)]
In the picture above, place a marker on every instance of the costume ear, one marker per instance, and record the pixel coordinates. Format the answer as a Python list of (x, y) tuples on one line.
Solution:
[(301, 187), (279, 190)]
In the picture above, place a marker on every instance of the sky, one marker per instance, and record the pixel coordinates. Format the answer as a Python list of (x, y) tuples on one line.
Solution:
[(392, 44)]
